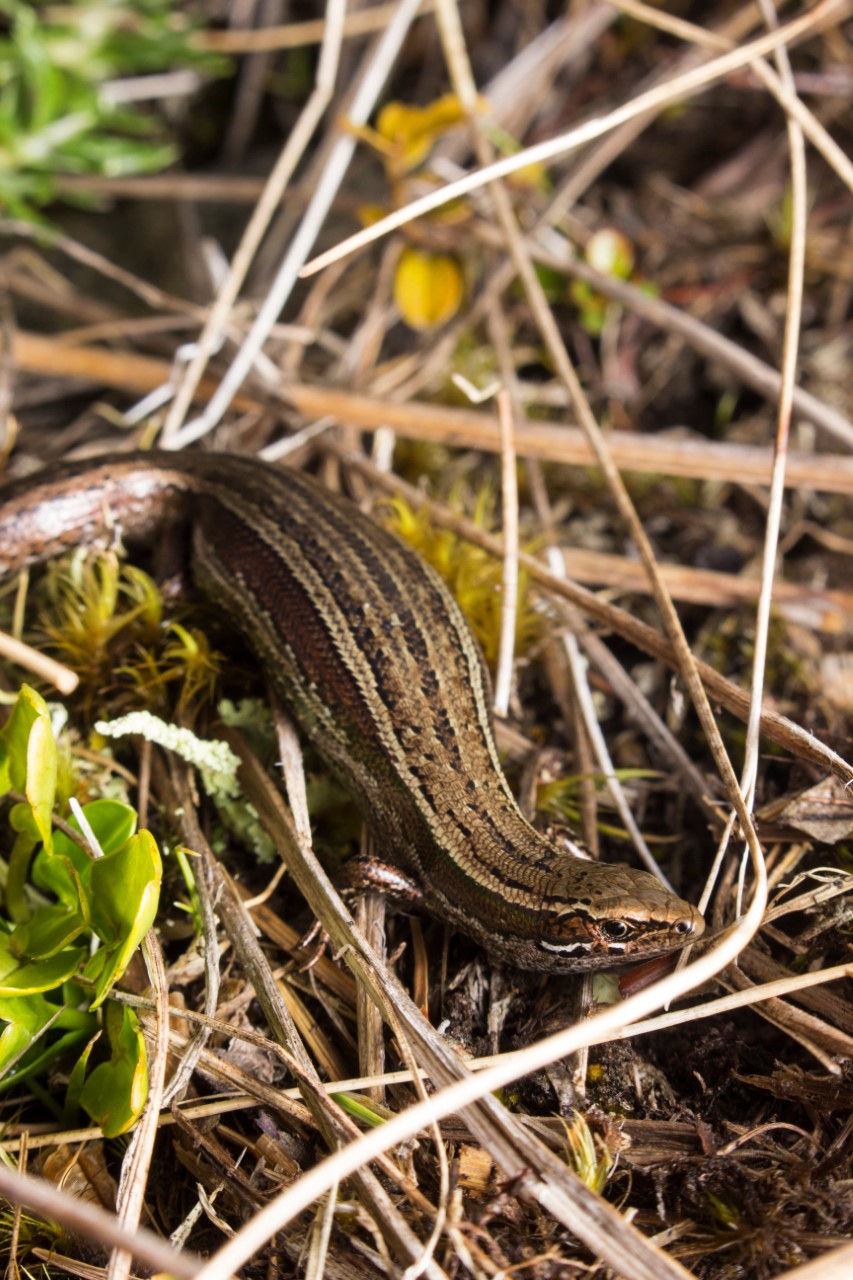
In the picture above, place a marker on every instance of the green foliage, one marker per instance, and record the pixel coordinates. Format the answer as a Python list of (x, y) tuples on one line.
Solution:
[(472, 574), (27, 765), (593, 1164), (57, 115), (612, 254), (188, 659), (71, 928), (114, 1094), (364, 1112), (217, 765), (103, 618), (98, 606)]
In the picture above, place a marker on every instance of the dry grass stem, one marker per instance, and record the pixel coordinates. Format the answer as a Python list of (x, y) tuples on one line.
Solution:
[(63, 679), (679, 89), (605, 764), (214, 330), (776, 727), (136, 1165), (509, 584), (626, 244), (95, 1224), (798, 985), (793, 314), (461, 428), (359, 110), (296, 35)]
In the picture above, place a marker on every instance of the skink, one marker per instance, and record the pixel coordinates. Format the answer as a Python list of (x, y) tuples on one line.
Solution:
[(371, 654)]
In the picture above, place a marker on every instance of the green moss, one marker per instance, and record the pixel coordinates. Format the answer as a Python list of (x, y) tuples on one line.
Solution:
[(471, 573)]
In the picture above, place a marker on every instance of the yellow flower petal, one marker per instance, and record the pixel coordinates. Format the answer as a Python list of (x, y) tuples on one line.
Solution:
[(427, 288), (414, 130)]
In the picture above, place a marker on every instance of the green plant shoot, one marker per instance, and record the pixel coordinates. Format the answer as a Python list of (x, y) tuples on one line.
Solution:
[(74, 917)]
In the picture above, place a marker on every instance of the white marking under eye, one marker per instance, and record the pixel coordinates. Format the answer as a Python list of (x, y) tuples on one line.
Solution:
[(616, 947), (564, 948)]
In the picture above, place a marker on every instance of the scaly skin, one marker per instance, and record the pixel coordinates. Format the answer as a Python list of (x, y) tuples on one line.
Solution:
[(371, 654)]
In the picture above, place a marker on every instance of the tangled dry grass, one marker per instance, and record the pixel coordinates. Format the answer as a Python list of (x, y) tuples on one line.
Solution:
[(680, 432)]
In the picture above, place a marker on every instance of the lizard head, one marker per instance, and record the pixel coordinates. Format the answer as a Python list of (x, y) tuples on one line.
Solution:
[(606, 916)]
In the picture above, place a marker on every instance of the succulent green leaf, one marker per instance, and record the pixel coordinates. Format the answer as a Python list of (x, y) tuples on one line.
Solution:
[(30, 766), (22, 1051), (30, 1014), (41, 775), (116, 1091), (8, 960), (47, 932), (15, 1039), (62, 876), (19, 863), (16, 734), (76, 1084), (22, 820), (44, 975), (112, 822), (30, 761), (125, 891)]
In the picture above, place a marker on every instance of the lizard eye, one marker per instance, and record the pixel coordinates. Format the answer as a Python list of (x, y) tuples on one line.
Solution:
[(683, 927), (614, 929)]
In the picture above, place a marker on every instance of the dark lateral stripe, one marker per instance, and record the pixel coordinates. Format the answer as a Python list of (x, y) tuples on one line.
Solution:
[(372, 654)]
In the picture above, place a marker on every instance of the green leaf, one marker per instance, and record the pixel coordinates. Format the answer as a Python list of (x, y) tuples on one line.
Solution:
[(47, 932), (54, 116), (32, 1013), (30, 766), (112, 822), (19, 864), (125, 891), (361, 1109), (16, 1038), (43, 975), (116, 1091), (76, 1084), (63, 876), (8, 961), (30, 761), (27, 1019), (70, 867), (22, 819)]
